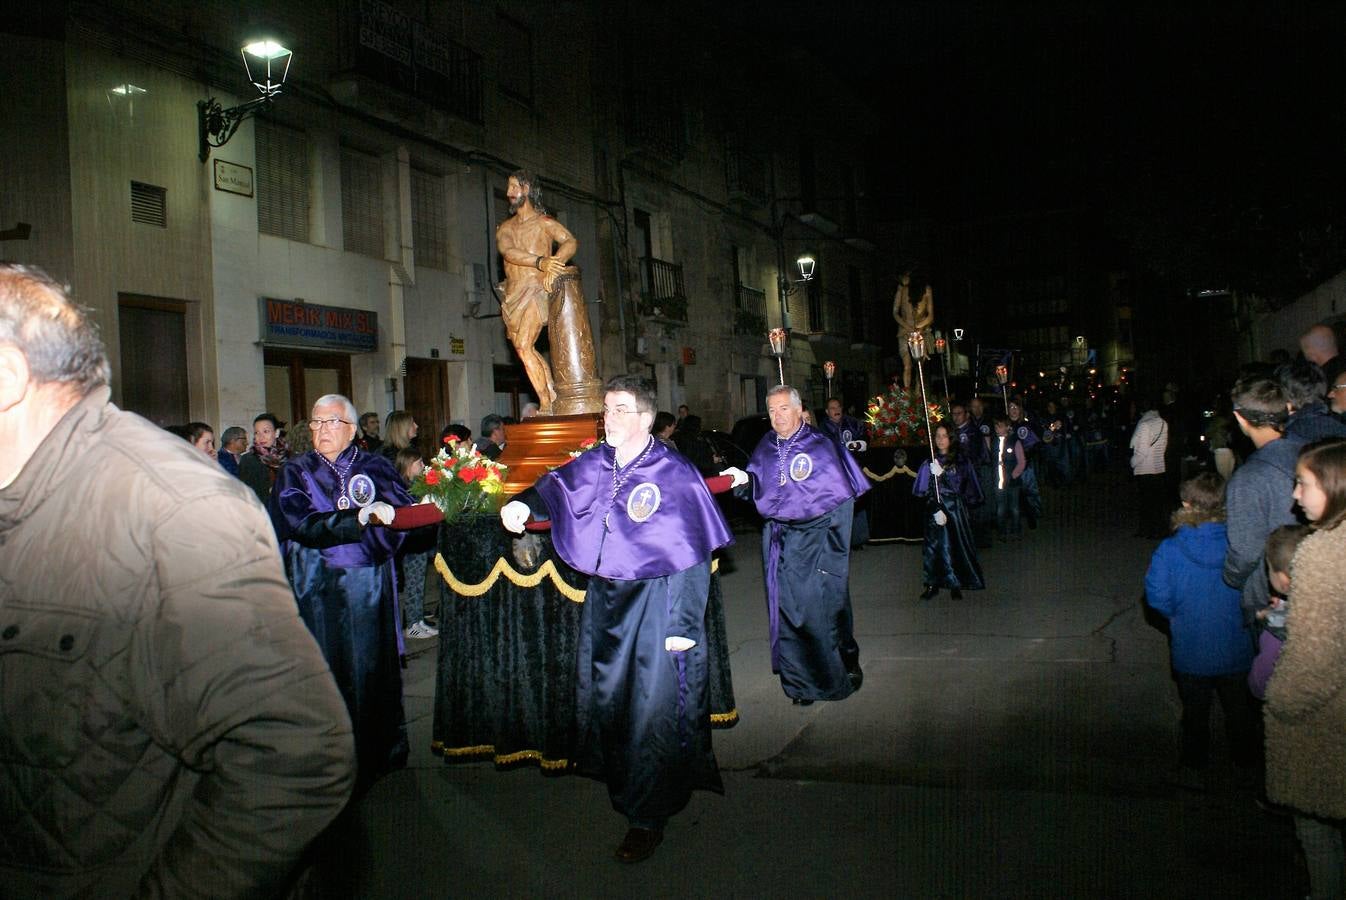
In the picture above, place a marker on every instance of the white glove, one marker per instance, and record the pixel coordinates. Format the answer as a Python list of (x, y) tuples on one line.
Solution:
[(740, 477), (513, 515), (858, 446), (940, 518), (935, 468), (679, 644), (380, 511)]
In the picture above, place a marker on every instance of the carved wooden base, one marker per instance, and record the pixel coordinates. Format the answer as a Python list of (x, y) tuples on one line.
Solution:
[(540, 444)]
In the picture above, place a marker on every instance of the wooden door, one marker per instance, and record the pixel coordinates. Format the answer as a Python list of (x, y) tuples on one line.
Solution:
[(425, 392)]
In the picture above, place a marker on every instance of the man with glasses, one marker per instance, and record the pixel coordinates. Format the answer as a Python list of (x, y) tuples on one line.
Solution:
[(804, 486), (326, 506), (637, 518), (1336, 397)]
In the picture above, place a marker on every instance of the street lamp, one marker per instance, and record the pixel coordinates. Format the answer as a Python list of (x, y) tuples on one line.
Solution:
[(786, 286), (267, 63)]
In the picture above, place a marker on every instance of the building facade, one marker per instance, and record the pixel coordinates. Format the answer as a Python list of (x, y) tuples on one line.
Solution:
[(343, 239)]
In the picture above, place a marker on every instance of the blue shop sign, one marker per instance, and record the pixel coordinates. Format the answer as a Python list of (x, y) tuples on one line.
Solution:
[(292, 324)]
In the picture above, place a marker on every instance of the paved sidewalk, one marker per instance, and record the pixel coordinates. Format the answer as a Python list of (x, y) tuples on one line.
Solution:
[(1012, 744)]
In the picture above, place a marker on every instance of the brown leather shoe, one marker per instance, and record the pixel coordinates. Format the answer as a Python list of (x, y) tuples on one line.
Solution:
[(639, 844)]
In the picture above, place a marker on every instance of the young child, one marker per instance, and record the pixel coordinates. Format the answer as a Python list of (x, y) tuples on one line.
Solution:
[(1281, 546), (415, 557), (1008, 460), (1209, 647)]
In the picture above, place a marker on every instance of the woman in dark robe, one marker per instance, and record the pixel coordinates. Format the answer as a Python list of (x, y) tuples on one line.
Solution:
[(949, 555)]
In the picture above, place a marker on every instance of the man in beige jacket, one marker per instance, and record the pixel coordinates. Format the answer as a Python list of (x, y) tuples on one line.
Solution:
[(168, 727)]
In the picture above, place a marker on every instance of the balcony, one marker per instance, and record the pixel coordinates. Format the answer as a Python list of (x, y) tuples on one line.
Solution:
[(661, 291), (749, 311), (654, 123), (829, 314), (391, 49), (746, 177)]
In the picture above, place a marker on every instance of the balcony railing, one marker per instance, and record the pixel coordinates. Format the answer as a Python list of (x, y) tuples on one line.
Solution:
[(746, 177), (829, 313), (749, 311), (661, 291)]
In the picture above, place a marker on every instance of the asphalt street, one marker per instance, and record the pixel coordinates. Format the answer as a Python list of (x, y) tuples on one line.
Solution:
[(1011, 744)]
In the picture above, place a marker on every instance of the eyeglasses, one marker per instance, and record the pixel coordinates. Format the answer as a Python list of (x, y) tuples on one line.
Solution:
[(320, 424), (619, 411), (1336, 387)]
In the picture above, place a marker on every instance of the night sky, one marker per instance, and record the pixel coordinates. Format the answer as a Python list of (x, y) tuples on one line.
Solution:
[(1209, 138)]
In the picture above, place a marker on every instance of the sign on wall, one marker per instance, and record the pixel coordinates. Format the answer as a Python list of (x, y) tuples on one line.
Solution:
[(290, 323), (233, 178)]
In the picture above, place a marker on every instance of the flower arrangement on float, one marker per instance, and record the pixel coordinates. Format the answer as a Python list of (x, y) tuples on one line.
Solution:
[(585, 445), (460, 481), (895, 417)]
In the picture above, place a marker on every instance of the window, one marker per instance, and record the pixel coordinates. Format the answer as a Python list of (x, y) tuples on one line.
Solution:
[(361, 203), (429, 232), (282, 182), (516, 63)]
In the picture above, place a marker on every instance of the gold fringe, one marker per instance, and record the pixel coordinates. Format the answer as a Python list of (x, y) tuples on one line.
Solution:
[(502, 567), (517, 578), (505, 759), (724, 718), (889, 474)]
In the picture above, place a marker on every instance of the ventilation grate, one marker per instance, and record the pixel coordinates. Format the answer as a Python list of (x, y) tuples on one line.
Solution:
[(149, 204)]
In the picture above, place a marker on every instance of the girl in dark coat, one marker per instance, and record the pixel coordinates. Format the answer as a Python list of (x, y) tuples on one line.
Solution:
[(949, 556)]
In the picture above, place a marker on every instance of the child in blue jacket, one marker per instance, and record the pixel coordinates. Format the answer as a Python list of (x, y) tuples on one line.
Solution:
[(1210, 648)]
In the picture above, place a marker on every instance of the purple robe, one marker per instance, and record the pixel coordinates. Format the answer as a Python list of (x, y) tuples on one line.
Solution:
[(806, 556), (642, 712), (342, 575)]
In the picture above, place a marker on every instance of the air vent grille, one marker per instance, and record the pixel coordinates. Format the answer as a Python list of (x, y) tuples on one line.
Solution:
[(149, 204)]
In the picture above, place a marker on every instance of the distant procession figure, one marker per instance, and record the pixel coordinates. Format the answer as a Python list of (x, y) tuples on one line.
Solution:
[(542, 290), (911, 319)]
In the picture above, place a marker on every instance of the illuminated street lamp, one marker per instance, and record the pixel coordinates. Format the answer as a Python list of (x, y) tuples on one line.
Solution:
[(267, 63)]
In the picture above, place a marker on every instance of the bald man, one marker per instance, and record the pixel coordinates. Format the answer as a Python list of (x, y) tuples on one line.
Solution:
[(1319, 345)]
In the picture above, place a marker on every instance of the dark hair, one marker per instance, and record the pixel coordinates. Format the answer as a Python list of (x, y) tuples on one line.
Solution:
[(1326, 459), (1000, 419), (179, 430), (404, 458), (194, 430), (1260, 400), (523, 176), (1282, 544), (1204, 493), (662, 420), (490, 422), (1302, 381), (56, 336), (365, 417), (955, 445), (462, 432), (269, 417), (637, 386)]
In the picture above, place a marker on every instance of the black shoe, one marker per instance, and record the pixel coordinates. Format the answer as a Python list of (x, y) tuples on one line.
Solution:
[(639, 843), (857, 677), (929, 592), (956, 594), (800, 701)]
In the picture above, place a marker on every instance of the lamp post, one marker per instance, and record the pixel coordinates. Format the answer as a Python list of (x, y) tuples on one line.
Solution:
[(267, 63)]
